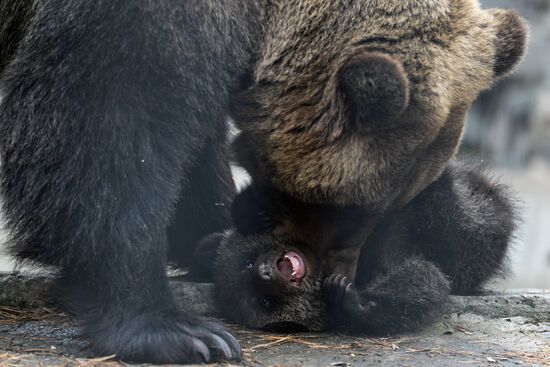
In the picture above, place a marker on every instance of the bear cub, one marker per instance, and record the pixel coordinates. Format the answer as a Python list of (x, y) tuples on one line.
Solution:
[(357, 217), (451, 238)]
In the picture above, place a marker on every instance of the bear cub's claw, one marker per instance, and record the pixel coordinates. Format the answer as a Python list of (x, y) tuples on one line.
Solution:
[(341, 296)]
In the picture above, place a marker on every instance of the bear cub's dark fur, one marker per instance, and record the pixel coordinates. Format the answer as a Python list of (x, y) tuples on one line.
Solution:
[(451, 238)]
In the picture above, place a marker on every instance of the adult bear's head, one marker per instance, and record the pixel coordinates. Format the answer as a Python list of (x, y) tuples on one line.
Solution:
[(363, 102)]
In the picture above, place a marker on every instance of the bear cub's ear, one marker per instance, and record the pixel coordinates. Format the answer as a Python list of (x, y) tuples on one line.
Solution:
[(375, 88), (511, 40)]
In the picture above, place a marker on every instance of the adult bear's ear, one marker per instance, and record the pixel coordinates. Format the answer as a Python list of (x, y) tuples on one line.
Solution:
[(207, 250), (510, 41), (375, 88)]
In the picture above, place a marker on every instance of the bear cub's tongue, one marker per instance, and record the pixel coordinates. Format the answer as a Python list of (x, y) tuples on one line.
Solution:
[(292, 266)]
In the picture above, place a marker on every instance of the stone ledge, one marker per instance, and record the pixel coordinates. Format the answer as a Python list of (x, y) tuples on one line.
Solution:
[(27, 290)]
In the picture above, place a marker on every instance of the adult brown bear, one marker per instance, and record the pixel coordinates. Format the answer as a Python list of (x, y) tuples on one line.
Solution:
[(113, 120)]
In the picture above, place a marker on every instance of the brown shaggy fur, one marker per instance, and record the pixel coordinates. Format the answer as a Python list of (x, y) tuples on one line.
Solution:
[(417, 66)]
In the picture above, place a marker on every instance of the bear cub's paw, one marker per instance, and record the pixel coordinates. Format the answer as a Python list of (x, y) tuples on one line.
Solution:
[(342, 298)]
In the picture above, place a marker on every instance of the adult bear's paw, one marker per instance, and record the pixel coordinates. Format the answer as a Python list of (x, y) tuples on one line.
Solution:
[(160, 337)]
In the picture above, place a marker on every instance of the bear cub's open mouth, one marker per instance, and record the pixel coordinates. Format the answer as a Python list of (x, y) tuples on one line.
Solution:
[(292, 266)]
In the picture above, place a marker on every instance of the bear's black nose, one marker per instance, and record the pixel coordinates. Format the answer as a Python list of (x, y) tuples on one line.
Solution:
[(265, 272)]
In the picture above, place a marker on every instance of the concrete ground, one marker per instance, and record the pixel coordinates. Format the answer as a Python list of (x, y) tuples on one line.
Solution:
[(505, 329)]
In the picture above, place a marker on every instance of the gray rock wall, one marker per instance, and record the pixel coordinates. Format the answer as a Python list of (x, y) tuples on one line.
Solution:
[(510, 124)]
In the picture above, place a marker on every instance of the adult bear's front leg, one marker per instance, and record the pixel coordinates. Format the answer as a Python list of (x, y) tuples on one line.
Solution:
[(98, 123), (95, 199)]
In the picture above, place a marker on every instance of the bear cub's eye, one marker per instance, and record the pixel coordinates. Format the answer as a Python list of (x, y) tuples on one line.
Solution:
[(248, 264)]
